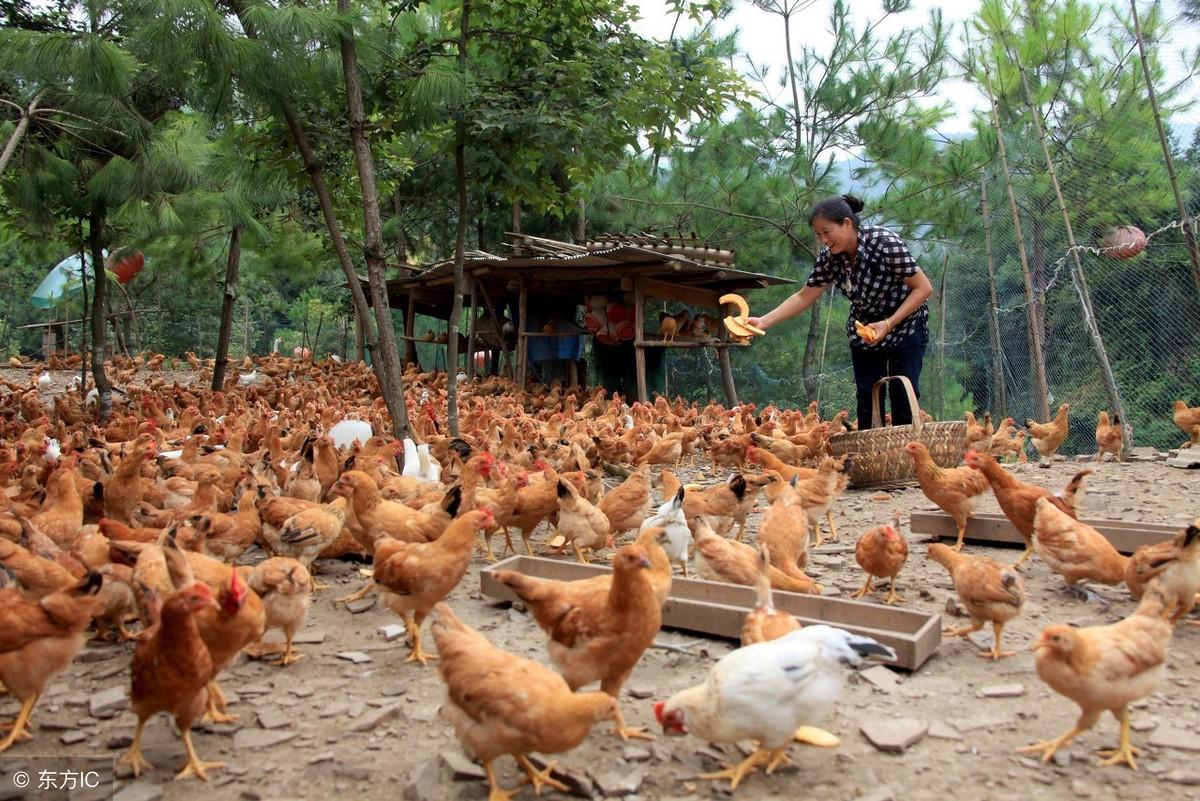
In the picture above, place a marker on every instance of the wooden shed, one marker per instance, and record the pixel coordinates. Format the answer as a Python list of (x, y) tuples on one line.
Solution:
[(543, 273)]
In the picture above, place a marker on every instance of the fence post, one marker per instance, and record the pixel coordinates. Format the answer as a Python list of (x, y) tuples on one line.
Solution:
[(1042, 401), (942, 338), (1085, 297), (994, 315), (1188, 234)]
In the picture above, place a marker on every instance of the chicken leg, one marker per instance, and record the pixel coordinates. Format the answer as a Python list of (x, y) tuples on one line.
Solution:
[(418, 654), (892, 597), (628, 732), (579, 553), (289, 653), (216, 705), (866, 588), (20, 724), (962, 535), (995, 653), (195, 766), (1048, 748), (1021, 561), (1126, 751), (964, 631), (541, 778), (735, 773), (832, 527), (133, 756), (354, 596), (495, 791), (778, 757)]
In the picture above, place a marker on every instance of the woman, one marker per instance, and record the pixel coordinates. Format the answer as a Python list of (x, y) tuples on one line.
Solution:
[(887, 291)]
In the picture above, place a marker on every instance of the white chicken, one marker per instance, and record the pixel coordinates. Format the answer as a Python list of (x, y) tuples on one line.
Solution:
[(766, 691), (431, 468), (671, 519), (412, 459), (347, 431)]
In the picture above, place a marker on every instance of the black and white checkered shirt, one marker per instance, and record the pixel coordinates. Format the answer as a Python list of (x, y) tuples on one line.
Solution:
[(874, 283)]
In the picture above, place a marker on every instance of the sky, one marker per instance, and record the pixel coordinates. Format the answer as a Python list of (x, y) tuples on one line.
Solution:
[(761, 38)]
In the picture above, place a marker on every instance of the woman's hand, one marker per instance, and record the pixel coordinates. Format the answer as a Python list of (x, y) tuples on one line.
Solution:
[(881, 328), (758, 322)]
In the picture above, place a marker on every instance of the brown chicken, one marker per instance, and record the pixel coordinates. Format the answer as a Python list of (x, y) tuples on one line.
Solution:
[(954, 490), (784, 530), (60, 619), (171, 667), (61, 516), (37, 577), (667, 450), (372, 517), (124, 490), (629, 504), (1188, 420), (306, 534), (536, 501), (989, 591), (769, 461), (599, 635), (581, 523), (1018, 500), (1104, 668), (412, 577), (719, 559), (227, 536), (1047, 437), (116, 601), (1108, 436), (817, 494), (764, 622), (499, 703), (1075, 550), (881, 553), (285, 587), (1175, 565)]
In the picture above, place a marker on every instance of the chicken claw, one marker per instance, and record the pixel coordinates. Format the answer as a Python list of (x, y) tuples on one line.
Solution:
[(630, 732), (541, 778), (417, 654), (19, 725), (1125, 752), (778, 757), (356, 595), (892, 597), (736, 773), (195, 766), (1048, 748), (996, 654), (866, 588), (133, 756), (495, 791)]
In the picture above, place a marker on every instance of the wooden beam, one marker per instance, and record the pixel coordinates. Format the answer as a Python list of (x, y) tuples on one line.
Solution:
[(522, 341), (491, 309), (707, 343), (471, 333), (692, 296), (995, 529), (727, 377), (639, 325), (717, 609)]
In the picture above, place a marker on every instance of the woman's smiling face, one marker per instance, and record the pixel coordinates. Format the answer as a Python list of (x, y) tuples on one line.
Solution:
[(838, 237)]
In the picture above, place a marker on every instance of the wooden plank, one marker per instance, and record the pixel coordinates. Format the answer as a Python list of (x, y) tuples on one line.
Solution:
[(995, 529), (639, 328), (471, 333), (692, 296), (717, 609), (522, 341), (708, 343)]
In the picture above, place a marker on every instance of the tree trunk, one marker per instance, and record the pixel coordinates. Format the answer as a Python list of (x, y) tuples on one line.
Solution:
[(460, 242), (232, 266), (316, 176), (99, 315), (387, 359), (18, 133)]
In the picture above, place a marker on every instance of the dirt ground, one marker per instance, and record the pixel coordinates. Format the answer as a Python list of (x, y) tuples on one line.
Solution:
[(370, 728)]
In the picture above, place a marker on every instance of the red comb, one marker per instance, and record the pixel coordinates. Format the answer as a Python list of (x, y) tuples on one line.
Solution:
[(659, 706)]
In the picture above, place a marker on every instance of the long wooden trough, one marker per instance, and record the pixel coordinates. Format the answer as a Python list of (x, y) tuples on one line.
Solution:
[(995, 529), (717, 609)]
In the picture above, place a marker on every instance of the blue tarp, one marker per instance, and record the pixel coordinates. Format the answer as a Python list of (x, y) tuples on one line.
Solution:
[(61, 283)]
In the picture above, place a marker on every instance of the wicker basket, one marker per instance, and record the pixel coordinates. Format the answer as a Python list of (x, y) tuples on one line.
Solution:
[(877, 455)]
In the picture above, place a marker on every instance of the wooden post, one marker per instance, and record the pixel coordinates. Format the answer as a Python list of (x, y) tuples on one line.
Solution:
[(994, 315), (727, 376), (516, 216), (942, 338), (639, 324), (360, 341), (410, 330), (522, 340), (1085, 297), (1188, 234), (246, 325), (1041, 400), (471, 336), (491, 309)]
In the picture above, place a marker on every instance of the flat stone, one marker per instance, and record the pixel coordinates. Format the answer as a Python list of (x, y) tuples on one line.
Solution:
[(976, 722), (634, 754), (881, 497), (139, 791), (880, 678), (309, 638), (424, 782), (641, 693), (118, 742), (99, 654), (324, 756), (273, 719), (357, 657), (255, 689), (461, 768), (1182, 777), (1081, 788), (109, 671), (615, 784), (894, 735), (1002, 691), (109, 702), (72, 737), (55, 724), (377, 719), (883, 793), (943, 731), (1168, 737), (260, 738), (577, 783), (392, 631), (361, 605), (334, 710), (301, 692), (830, 592), (352, 772)]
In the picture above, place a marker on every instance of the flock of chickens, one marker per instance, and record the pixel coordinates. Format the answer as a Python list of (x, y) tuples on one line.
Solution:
[(163, 515)]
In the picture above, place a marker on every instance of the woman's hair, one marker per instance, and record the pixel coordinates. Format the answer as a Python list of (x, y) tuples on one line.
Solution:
[(837, 208)]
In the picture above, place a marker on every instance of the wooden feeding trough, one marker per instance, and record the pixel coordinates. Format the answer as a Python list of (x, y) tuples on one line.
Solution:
[(995, 529), (717, 609)]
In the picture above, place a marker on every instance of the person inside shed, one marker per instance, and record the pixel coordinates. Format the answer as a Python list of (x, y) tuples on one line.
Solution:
[(888, 294)]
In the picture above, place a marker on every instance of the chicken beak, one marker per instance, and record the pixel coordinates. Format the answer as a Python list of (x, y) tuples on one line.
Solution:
[(645, 562)]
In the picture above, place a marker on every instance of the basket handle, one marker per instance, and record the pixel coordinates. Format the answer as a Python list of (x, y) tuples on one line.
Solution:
[(877, 418)]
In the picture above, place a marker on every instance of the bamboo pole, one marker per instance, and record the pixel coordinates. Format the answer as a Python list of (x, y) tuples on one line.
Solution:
[(1188, 234), (994, 315), (942, 338), (1041, 401), (1081, 286)]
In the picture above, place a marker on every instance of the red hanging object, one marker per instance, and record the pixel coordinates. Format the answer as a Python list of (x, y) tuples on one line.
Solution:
[(128, 267)]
